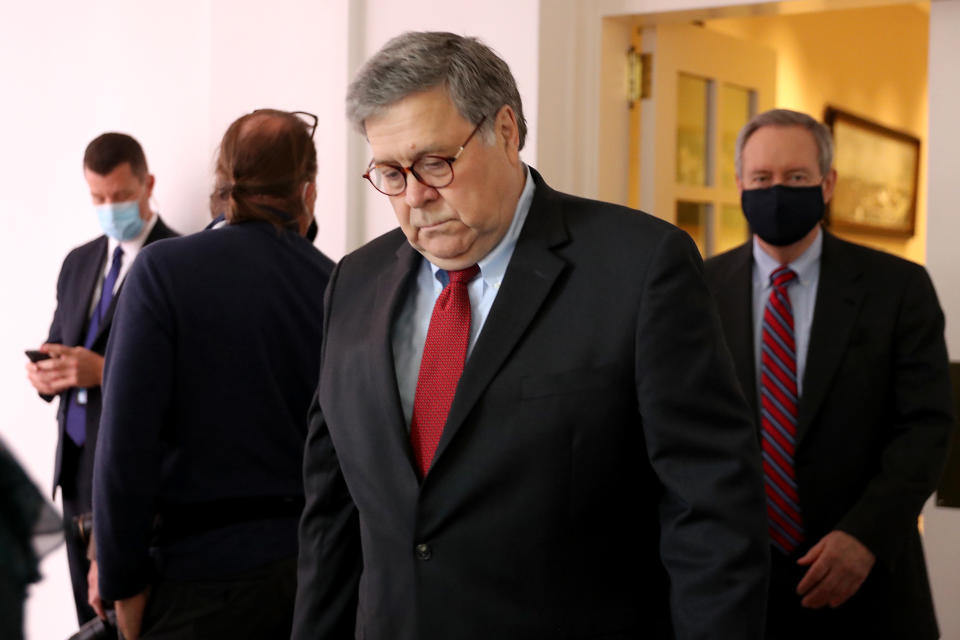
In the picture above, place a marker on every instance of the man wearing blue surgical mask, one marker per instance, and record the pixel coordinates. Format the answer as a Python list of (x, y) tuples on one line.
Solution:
[(840, 350), (90, 281)]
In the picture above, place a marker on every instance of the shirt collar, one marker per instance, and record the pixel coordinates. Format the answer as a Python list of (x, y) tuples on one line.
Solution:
[(804, 266), (493, 266)]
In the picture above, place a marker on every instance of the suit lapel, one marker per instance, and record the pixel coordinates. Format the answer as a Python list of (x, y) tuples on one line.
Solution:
[(835, 313), (88, 278), (530, 276), (393, 288), (735, 303)]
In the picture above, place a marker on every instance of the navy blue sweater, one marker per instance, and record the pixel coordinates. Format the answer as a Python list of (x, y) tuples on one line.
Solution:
[(210, 369)]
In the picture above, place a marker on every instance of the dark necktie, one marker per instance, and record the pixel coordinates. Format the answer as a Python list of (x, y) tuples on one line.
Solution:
[(444, 353), (77, 408), (778, 414)]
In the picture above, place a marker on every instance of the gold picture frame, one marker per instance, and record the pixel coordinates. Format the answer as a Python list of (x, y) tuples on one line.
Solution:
[(878, 171)]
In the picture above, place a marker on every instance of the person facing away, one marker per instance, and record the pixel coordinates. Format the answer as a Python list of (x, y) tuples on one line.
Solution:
[(208, 377), (527, 423), (88, 288), (840, 351)]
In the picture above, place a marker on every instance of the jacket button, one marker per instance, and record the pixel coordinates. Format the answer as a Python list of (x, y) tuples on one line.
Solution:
[(424, 552)]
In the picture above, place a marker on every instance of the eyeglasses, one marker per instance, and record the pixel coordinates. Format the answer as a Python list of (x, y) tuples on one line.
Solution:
[(308, 119), (430, 170)]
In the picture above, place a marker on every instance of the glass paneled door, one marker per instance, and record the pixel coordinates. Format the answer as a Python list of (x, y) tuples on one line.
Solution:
[(705, 87)]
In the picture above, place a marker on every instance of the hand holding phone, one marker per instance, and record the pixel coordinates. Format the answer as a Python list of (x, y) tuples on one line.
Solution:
[(36, 355)]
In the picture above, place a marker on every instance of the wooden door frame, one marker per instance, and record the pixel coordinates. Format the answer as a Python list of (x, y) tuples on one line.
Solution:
[(578, 40)]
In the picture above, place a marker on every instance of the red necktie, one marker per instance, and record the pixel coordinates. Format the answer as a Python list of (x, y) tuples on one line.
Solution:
[(443, 356), (778, 414)]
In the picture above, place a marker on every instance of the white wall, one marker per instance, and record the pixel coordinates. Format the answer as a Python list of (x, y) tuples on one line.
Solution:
[(942, 525), (173, 75), (292, 55)]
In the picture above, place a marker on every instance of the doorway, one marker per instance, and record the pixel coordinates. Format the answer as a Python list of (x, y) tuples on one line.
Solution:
[(710, 74)]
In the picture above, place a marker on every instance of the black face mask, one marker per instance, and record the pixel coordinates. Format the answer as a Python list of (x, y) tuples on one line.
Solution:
[(312, 230), (782, 215)]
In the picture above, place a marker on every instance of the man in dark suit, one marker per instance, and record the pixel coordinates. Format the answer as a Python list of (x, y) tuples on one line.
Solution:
[(592, 472), (115, 169), (840, 350)]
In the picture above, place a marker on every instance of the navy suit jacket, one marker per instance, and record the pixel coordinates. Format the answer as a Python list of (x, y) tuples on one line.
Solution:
[(598, 473), (79, 276), (874, 418), (209, 372)]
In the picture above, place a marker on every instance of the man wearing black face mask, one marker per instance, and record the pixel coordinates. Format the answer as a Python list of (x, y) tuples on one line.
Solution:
[(840, 349)]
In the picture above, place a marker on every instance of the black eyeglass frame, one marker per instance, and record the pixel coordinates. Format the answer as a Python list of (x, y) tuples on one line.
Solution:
[(405, 170), (315, 119)]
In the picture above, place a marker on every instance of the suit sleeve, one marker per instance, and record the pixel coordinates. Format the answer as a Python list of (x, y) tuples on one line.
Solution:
[(138, 375), (329, 562), (913, 458), (55, 335), (703, 447)]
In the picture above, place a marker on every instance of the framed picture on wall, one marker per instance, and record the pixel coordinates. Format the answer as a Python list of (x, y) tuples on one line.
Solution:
[(877, 174)]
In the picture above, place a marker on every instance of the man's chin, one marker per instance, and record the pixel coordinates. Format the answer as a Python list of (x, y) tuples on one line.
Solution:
[(448, 258)]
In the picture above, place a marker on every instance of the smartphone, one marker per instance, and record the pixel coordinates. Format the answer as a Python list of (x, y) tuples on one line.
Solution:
[(36, 356)]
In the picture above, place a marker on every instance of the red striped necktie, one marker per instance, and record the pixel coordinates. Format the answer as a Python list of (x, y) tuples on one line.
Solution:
[(779, 397), (444, 353)]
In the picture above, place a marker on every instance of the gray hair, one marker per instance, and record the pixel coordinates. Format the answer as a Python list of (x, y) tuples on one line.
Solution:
[(475, 78), (787, 118)]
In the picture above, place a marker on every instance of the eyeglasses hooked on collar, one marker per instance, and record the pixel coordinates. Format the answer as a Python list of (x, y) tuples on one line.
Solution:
[(390, 179)]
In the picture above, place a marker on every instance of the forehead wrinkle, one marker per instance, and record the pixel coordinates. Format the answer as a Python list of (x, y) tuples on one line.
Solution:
[(414, 154)]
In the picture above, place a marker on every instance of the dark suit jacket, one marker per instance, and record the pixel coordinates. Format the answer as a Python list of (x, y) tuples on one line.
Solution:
[(598, 470), (209, 373), (81, 272), (874, 416)]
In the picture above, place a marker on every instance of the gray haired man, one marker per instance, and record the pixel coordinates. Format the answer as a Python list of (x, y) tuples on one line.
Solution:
[(527, 423), (840, 350)]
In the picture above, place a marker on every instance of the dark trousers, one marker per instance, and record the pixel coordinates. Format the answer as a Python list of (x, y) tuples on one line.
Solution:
[(76, 489), (256, 604), (856, 618), (13, 593)]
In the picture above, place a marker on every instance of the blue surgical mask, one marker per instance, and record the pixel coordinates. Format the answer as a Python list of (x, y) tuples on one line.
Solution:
[(120, 220)]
